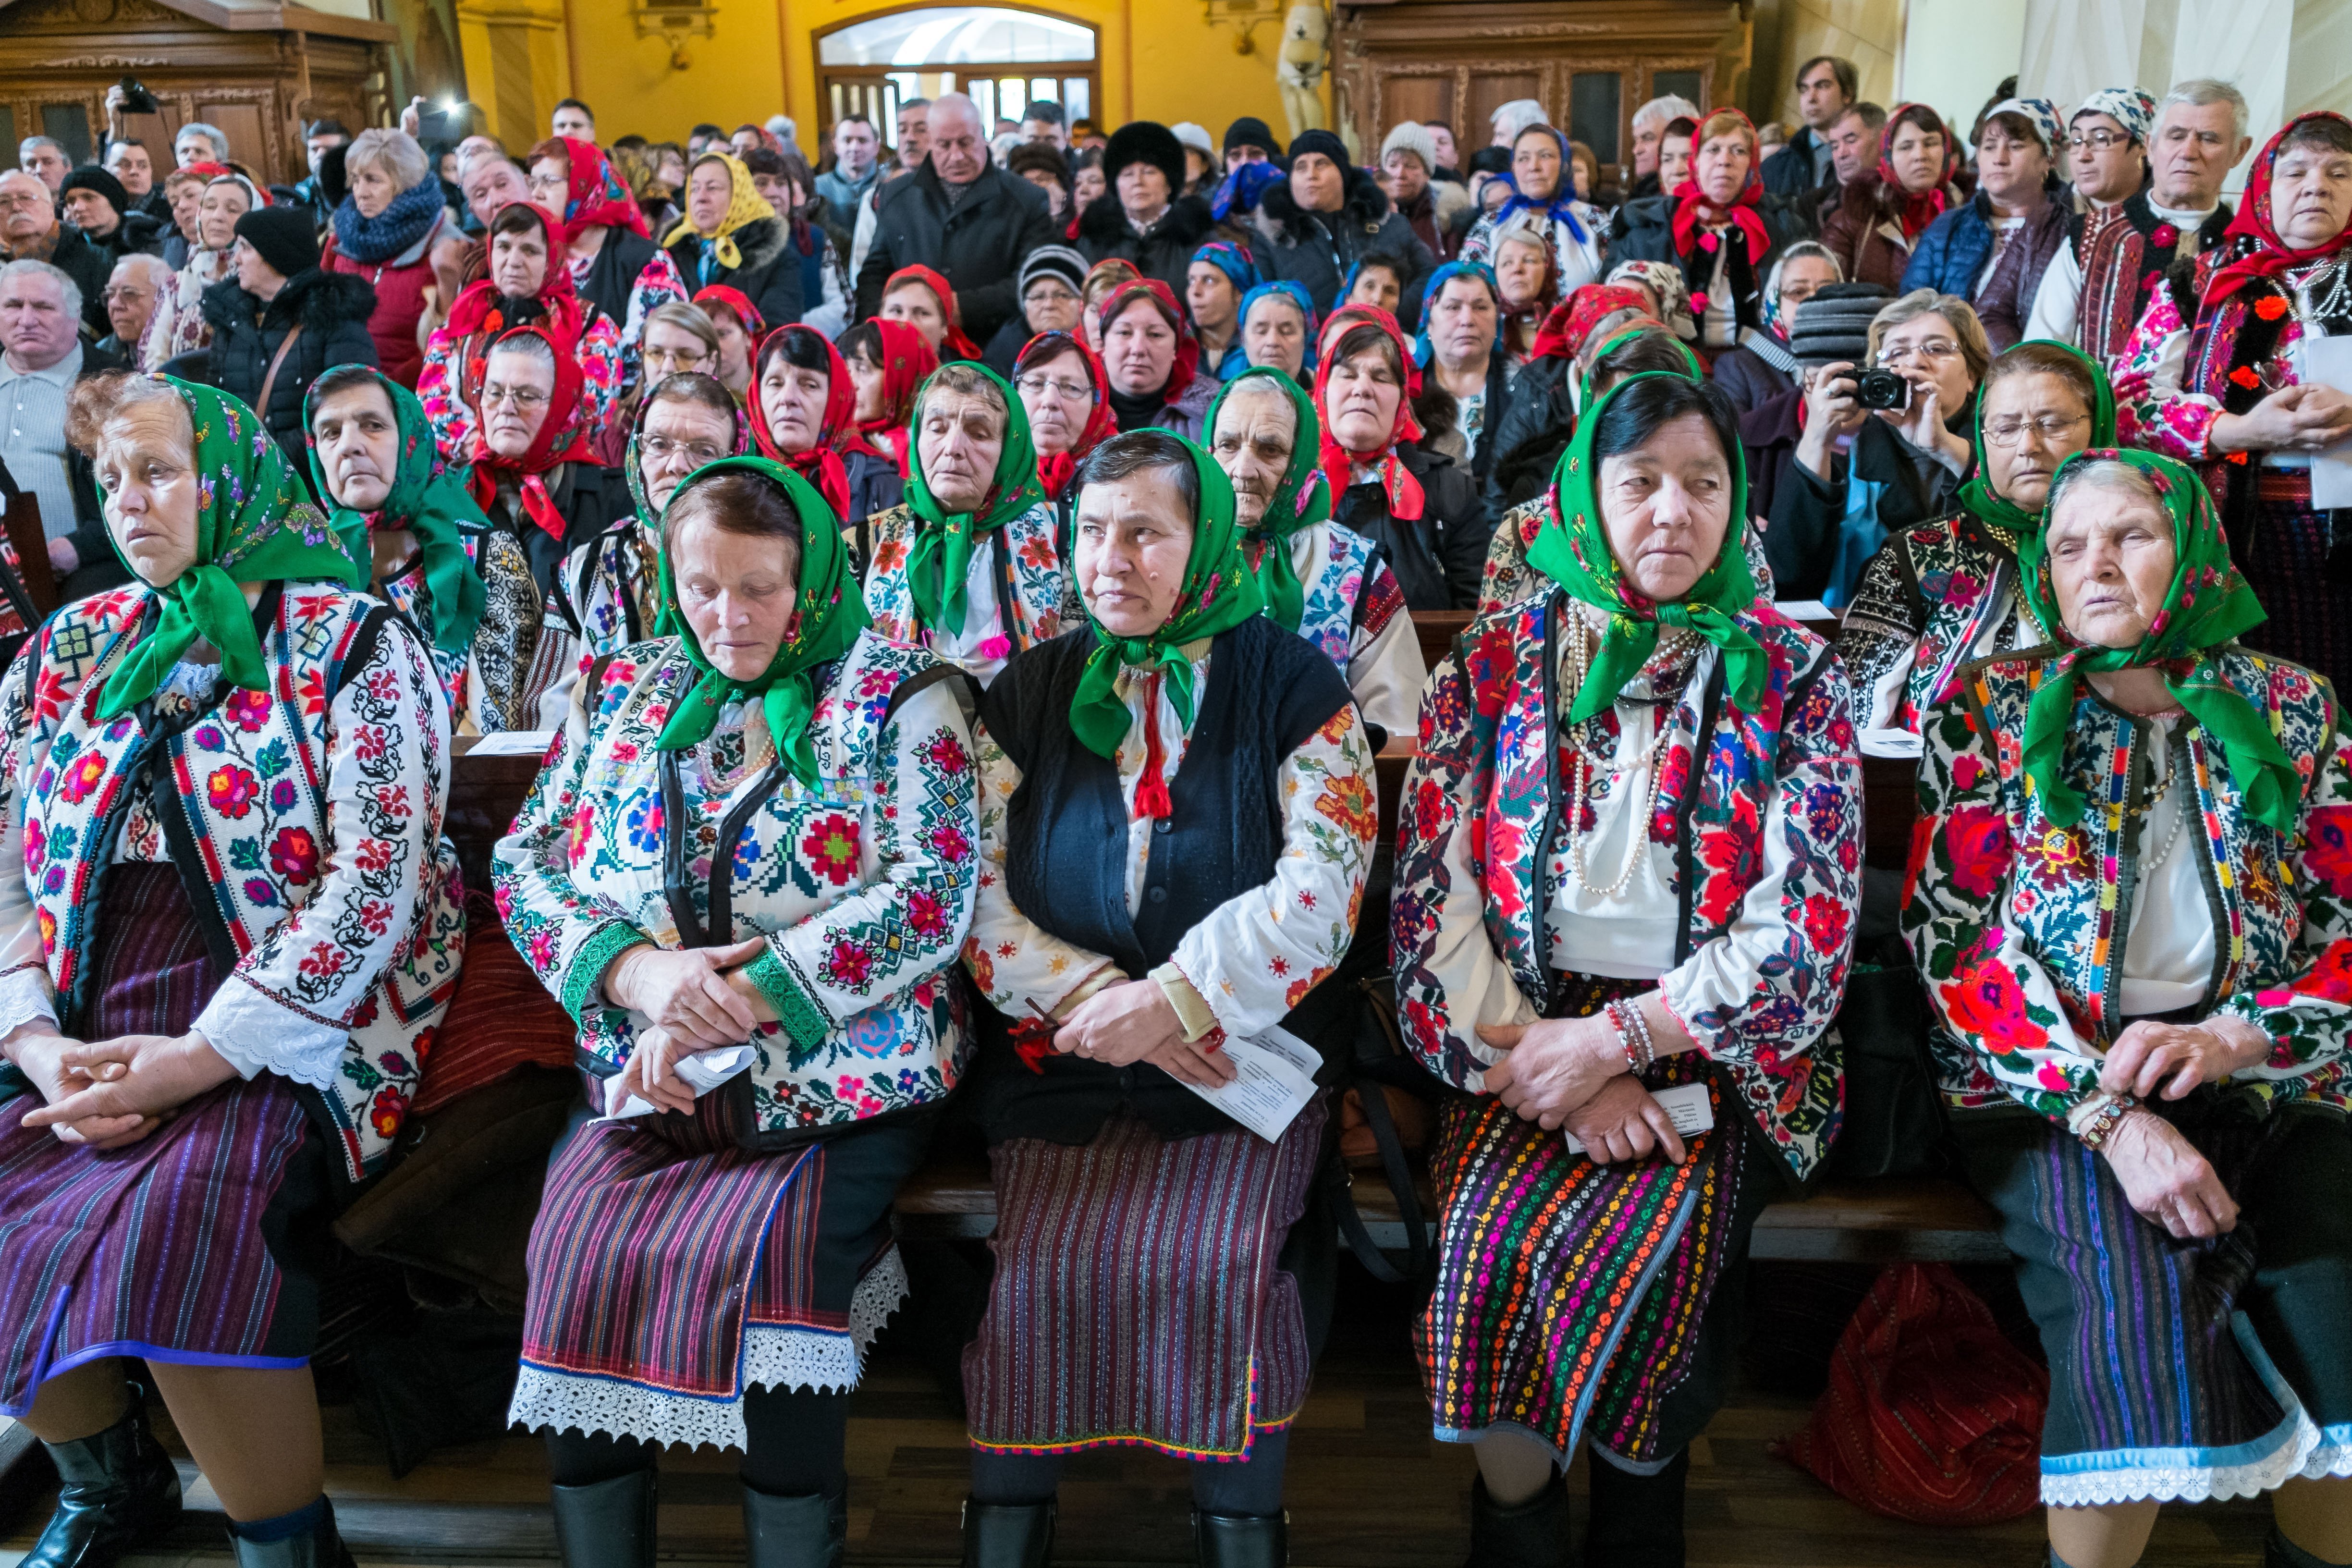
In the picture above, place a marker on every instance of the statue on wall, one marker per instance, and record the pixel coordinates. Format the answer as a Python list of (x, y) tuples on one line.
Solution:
[(1305, 42)]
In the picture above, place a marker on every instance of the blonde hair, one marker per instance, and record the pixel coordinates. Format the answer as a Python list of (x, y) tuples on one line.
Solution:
[(392, 153), (686, 317), (1721, 122), (1959, 315)]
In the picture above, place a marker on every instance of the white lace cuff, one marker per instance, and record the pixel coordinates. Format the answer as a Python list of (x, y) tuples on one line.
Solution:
[(26, 996), (255, 1035)]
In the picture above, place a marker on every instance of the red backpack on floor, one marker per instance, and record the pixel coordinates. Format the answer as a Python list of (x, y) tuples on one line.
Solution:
[(1931, 1414)]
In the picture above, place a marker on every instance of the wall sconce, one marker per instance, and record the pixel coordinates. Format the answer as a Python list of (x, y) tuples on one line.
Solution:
[(1244, 16), (675, 24)]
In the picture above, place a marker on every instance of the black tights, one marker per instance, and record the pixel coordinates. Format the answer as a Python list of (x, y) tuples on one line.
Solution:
[(794, 1448), (1247, 1489)]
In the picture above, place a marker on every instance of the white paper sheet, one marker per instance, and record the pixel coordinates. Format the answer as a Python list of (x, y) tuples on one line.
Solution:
[(2328, 362), (1688, 1106), (512, 743), (700, 1073), (1805, 609), (1275, 1079)]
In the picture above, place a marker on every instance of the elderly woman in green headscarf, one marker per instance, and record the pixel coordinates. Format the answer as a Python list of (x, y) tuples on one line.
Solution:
[(2132, 906), (1941, 593), (1177, 811), (231, 928), (1327, 583), (1627, 867), (971, 564), (746, 868)]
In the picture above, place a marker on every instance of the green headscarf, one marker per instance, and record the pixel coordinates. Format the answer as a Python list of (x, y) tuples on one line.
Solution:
[(1218, 594), (940, 561), (2209, 606), (1696, 372), (1573, 550), (428, 498), (253, 525), (1301, 499), (2001, 513), (830, 614)]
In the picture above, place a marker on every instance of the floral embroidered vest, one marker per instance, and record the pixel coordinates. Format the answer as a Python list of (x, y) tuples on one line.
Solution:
[(1035, 594)]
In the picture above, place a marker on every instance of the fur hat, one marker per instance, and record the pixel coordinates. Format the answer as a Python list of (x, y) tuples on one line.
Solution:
[(1145, 142)]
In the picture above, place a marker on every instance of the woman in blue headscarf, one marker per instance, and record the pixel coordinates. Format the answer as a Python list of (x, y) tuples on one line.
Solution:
[(1542, 181), (1221, 277), (1277, 329)]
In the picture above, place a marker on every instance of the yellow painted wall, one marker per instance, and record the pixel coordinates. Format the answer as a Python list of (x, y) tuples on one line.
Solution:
[(1158, 59)]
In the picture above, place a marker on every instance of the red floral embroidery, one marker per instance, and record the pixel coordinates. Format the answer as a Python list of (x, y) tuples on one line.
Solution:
[(829, 847), (82, 776), (232, 791), (2327, 849), (1985, 1001), (294, 855), (1977, 839), (2269, 308), (1825, 919)]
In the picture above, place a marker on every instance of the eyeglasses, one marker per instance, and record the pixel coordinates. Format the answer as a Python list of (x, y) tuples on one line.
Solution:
[(1050, 294), (111, 295), (661, 450), (1067, 391), (1903, 354), (2048, 428), (524, 398), (549, 184), (2098, 140), (674, 356), (12, 198)]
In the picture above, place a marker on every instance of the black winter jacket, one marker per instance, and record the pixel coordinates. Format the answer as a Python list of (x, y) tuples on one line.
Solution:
[(88, 265), (1534, 430), (1317, 248), (1164, 251), (1441, 558), (333, 309), (977, 246), (769, 277)]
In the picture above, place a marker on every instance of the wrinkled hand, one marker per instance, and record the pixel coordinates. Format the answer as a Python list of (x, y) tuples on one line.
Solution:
[(2292, 420), (685, 991), (1555, 1065), (2167, 1181), (1194, 1062), (40, 1056), (651, 1075), (1624, 1122), (2179, 1057), (1120, 1025), (140, 1076)]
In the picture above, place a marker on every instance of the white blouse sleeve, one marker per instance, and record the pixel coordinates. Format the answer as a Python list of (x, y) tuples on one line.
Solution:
[(1018, 964)]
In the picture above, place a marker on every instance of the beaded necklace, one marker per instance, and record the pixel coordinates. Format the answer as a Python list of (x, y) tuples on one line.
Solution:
[(1586, 767)]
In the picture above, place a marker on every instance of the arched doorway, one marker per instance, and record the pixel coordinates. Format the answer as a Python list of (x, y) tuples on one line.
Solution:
[(1005, 57)]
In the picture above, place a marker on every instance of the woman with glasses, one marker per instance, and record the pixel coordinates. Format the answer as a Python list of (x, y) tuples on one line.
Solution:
[(1831, 511), (608, 250), (1051, 286), (1067, 393)]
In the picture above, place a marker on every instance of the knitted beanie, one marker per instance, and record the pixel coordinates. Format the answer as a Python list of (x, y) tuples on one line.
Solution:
[(282, 237), (1834, 324), (1411, 136)]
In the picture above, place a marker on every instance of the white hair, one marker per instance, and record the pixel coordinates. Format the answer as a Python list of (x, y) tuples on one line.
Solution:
[(66, 287), (29, 143), (2200, 91), (1518, 115), (159, 271), (783, 127), (214, 134), (1659, 111)]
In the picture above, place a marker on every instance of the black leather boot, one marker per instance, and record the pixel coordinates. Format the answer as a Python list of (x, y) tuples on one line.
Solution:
[(607, 1524), (1007, 1535), (321, 1546), (115, 1489), (1637, 1520), (1532, 1534), (795, 1532), (1240, 1540)]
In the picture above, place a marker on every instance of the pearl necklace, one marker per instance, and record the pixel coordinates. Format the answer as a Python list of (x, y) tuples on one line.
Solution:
[(1583, 769), (2158, 789)]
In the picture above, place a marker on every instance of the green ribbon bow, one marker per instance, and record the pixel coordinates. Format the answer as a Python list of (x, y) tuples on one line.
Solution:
[(1218, 594), (1978, 494), (939, 562), (2207, 607), (1301, 499), (830, 614), (1572, 549), (429, 500), (253, 525)]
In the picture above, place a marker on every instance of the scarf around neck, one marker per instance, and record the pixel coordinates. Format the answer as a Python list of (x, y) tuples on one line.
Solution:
[(1915, 209), (562, 438), (1694, 213), (1301, 497), (939, 563), (1560, 207), (745, 206), (1056, 470), (1399, 489), (2252, 240), (392, 231), (594, 195)]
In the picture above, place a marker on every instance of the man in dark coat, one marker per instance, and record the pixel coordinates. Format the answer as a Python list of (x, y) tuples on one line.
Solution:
[(1826, 85), (95, 202), (962, 217), (1315, 226), (1144, 218)]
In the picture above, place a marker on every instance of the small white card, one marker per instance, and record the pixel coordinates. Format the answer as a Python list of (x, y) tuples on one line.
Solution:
[(2328, 362), (1687, 1105), (1274, 1079), (700, 1073), (512, 743)]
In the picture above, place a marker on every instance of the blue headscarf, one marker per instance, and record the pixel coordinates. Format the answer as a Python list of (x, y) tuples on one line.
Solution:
[(1560, 207), (1423, 351), (1240, 191), (1234, 262), (1298, 294)]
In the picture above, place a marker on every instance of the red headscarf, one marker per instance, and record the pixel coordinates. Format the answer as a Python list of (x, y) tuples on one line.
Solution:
[(1164, 299), (908, 361), (479, 311), (747, 315), (596, 195), (821, 464), (1056, 470), (956, 346), (1396, 480), (562, 438), (1919, 208), (1565, 330), (2254, 247), (1694, 212)]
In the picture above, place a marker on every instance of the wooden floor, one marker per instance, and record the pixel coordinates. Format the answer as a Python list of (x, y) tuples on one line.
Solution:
[(1369, 1488)]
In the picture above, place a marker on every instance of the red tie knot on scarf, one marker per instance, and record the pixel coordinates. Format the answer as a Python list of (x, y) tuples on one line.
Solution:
[(1043, 352), (2252, 244), (1151, 802), (1401, 490), (955, 345), (819, 462), (562, 437), (1918, 208), (1695, 212)]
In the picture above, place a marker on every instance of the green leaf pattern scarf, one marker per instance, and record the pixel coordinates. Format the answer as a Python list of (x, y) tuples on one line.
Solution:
[(939, 562), (1301, 499)]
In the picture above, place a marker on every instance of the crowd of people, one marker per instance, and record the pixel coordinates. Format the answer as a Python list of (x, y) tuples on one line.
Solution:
[(963, 592)]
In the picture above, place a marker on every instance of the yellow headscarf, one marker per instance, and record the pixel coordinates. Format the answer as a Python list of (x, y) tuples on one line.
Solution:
[(745, 205)]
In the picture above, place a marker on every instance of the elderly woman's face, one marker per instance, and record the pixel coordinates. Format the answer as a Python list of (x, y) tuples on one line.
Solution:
[(372, 188), (1134, 540), (217, 210), (738, 591), (1925, 352), (1139, 349), (147, 472), (1143, 190), (1519, 266), (1276, 334), (1051, 305), (1535, 164), (710, 191), (519, 263), (1666, 507), (1256, 431), (915, 304), (2111, 562), (1377, 286), (2311, 195), (793, 399), (516, 390), (2031, 424), (679, 436), (1722, 166), (958, 435), (1360, 399), (358, 438), (1058, 399)]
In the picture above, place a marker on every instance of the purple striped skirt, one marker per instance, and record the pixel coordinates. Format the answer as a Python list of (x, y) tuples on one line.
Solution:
[(186, 1245), (1138, 1298), (671, 1270)]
